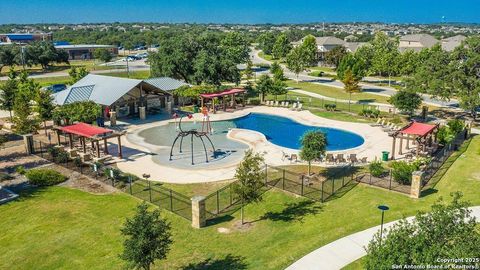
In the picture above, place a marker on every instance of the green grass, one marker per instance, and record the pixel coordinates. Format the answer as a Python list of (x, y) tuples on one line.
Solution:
[(70, 229), (324, 69), (197, 189), (335, 92), (143, 74), (265, 56)]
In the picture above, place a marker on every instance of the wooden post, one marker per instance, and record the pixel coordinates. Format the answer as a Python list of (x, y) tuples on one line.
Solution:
[(84, 145), (408, 141), (120, 155), (201, 101), (70, 139), (98, 149), (58, 137), (243, 96), (393, 147), (401, 146), (105, 146)]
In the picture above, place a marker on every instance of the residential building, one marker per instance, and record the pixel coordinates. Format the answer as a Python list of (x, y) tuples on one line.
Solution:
[(449, 44), (416, 42)]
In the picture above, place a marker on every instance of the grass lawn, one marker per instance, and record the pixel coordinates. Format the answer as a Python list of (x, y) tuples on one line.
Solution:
[(334, 92), (70, 229), (143, 74), (265, 56), (324, 69), (197, 189)]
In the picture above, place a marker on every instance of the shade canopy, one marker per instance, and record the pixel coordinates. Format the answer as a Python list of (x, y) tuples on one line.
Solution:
[(224, 93), (85, 130), (419, 129)]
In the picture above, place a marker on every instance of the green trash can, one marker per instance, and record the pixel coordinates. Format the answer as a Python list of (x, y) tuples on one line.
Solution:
[(385, 155), (195, 109)]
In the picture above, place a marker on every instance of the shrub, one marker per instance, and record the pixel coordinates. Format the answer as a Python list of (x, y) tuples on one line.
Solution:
[(444, 135), (116, 173), (368, 112), (78, 162), (20, 170), (254, 101), (402, 172), (376, 168), (330, 107), (44, 177), (456, 126)]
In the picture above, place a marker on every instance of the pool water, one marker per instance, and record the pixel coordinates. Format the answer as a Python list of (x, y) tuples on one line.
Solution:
[(287, 133)]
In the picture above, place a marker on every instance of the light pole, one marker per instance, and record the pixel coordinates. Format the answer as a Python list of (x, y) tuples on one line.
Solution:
[(382, 208)]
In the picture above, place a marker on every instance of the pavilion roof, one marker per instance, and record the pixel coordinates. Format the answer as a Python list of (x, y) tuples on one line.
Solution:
[(224, 93), (420, 129), (85, 130)]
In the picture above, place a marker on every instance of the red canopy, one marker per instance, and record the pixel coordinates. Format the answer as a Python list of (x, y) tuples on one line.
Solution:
[(224, 93), (419, 129), (85, 130)]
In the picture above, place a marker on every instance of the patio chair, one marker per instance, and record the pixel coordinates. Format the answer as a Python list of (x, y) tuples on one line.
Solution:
[(340, 159), (282, 104), (276, 103), (286, 104), (377, 124), (388, 127), (330, 159), (294, 107), (363, 160), (299, 107), (353, 158)]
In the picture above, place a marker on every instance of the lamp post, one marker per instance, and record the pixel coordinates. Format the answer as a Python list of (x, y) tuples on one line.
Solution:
[(382, 208)]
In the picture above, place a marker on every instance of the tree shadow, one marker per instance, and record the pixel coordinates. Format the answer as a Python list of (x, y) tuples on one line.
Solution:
[(230, 262), (294, 211), (219, 219)]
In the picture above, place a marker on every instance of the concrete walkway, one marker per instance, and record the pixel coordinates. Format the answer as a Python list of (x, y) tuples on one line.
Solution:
[(346, 250)]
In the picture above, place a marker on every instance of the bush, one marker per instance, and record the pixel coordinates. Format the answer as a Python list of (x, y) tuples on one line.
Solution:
[(44, 177), (254, 101), (376, 168), (330, 107), (402, 172), (444, 135), (456, 126), (116, 173), (20, 170)]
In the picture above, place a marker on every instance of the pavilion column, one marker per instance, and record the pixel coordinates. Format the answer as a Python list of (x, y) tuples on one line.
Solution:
[(58, 137), (400, 146), (98, 149), (120, 154), (70, 138), (408, 141), (393, 147), (418, 146), (243, 99), (201, 101), (84, 145), (105, 146), (213, 105)]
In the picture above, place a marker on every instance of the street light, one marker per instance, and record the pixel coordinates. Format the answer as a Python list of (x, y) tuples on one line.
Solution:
[(382, 208)]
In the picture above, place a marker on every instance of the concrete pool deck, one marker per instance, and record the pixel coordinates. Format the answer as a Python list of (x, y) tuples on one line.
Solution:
[(139, 155)]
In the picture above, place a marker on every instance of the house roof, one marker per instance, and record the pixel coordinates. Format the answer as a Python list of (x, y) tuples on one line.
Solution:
[(353, 46), (329, 41), (449, 44), (165, 83), (420, 129), (425, 40)]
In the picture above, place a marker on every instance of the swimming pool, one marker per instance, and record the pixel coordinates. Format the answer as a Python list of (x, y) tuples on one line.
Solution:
[(287, 133), (278, 130)]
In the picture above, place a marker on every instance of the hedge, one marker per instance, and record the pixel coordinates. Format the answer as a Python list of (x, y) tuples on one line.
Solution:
[(45, 177)]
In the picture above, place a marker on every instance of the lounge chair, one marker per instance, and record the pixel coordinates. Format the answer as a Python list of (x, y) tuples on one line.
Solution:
[(282, 104), (299, 107), (330, 159), (340, 158), (353, 158), (388, 127), (294, 107), (377, 124), (363, 160), (276, 103), (286, 104)]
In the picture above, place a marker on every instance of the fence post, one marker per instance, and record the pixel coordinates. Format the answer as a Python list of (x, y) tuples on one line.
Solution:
[(343, 181), (28, 141), (130, 184), (199, 217), (266, 175), (283, 180), (390, 187), (171, 201), (416, 187), (370, 178), (333, 186), (218, 204), (150, 190), (323, 182), (41, 149), (230, 188), (302, 184)]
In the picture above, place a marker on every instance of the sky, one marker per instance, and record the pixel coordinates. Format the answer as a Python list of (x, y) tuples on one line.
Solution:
[(239, 11)]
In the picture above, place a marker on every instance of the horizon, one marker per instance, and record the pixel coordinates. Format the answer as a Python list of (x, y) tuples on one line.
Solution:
[(240, 12)]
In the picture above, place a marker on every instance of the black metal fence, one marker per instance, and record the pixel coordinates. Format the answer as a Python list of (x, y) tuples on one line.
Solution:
[(146, 190), (385, 181)]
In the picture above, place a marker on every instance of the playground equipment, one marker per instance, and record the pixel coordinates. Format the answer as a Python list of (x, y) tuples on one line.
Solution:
[(206, 128)]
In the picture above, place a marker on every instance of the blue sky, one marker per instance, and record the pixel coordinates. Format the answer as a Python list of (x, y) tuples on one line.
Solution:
[(239, 11)]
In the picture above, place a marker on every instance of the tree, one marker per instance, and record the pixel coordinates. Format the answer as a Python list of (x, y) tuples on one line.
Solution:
[(277, 71), (354, 64), (408, 62), (7, 56), (236, 47), (406, 101), (266, 41), (25, 122), (350, 85), (296, 61), (365, 54), (76, 74), (45, 106), (264, 86), (250, 175), (81, 111), (448, 231), (335, 55), (7, 93), (279, 87), (103, 55), (44, 53), (148, 238), (309, 50), (281, 47), (314, 145), (385, 57), (248, 72)]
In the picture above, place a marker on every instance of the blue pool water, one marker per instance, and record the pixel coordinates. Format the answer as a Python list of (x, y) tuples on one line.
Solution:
[(285, 132)]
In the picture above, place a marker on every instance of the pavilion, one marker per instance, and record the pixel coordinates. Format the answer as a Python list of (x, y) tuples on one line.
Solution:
[(229, 92), (421, 134), (93, 133)]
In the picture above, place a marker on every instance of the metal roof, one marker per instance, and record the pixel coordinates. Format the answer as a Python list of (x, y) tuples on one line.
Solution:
[(165, 83), (20, 37), (80, 93)]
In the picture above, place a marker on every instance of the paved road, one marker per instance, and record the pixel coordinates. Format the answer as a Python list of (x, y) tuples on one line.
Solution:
[(369, 88), (346, 250)]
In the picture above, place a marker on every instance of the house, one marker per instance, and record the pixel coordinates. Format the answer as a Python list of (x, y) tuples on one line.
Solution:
[(326, 44), (416, 42), (84, 51), (449, 44), (122, 95), (353, 46)]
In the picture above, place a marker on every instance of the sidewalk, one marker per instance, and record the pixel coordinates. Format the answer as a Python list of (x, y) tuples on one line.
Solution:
[(346, 250)]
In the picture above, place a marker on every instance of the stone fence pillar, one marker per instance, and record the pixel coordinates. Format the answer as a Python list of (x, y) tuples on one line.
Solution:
[(28, 141), (199, 218), (113, 118), (143, 112), (169, 106), (416, 187)]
